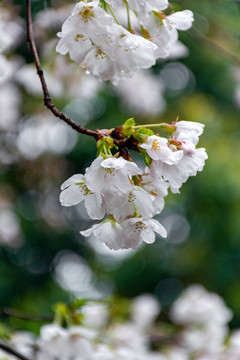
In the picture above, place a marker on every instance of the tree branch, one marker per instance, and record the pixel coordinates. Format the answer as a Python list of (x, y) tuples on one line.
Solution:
[(47, 99), (23, 316), (122, 144), (12, 351), (213, 45)]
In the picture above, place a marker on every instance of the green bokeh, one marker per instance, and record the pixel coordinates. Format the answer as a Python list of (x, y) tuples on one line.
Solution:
[(210, 202)]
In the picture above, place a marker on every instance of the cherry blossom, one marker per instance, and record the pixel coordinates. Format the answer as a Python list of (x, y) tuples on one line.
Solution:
[(178, 174), (138, 199), (108, 232), (104, 48), (157, 188), (111, 175), (188, 131), (96, 40), (138, 230), (158, 149), (75, 191)]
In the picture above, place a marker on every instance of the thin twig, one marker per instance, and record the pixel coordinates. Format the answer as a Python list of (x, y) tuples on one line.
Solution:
[(12, 351), (23, 316), (129, 143), (213, 45), (47, 99)]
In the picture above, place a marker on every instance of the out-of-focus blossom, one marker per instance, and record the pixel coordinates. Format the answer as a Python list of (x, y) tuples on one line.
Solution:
[(142, 93), (11, 30), (10, 231), (145, 309), (132, 336), (41, 134), (209, 307), (10, 102)]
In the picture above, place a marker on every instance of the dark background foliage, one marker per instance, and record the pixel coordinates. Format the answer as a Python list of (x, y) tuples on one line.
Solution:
[(203, 221)]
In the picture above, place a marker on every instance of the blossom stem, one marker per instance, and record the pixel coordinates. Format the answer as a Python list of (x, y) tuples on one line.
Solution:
[(23, 316), (214, 46), (149, 125), (12, 351), (47, 99), (128, 16), (113, 15)]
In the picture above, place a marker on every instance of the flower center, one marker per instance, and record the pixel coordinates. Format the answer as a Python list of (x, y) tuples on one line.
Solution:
[(111, 171), (131, 198), (87, 13), (100, 55), (155, 145), (80, 36), (83, 189), (139, 226)]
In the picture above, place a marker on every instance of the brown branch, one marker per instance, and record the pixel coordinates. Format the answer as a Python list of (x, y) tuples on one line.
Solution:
[(23, 316), (122, 144), (215, 46), (12, 351), (47, 99)]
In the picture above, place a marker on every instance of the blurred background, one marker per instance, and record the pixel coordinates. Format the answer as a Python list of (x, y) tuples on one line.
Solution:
[(43, 258)]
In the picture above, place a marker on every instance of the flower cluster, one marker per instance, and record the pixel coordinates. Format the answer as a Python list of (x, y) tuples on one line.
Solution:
[(133, 332), (95, 39), (130, 196)]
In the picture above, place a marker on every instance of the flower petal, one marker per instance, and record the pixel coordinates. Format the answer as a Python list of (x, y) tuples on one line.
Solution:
[(94, 206), (71, 196)]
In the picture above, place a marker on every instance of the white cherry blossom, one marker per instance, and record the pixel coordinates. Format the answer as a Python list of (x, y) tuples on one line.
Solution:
[(88, 19), (158, 149), (74, 190), (188, 130), (118, 54), (102, 47), (138, 230), (165, 35), (108, 232), (137, 199), (178, 174), (111, 175), (181, 20), (157, 188), (76, 44)]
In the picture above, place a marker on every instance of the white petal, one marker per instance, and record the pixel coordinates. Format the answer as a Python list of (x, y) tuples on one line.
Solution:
[(89, 231), (148, 236), (71, 196), (161, 38), (158, 228), (77, 178), (143, 202), (94, 206), (124, 211), (108, 232), (182, 19)]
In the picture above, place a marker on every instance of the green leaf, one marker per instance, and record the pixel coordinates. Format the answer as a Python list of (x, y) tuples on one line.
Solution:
[(147, 159), (62, 314), (127, 128), (129, 122), (5, 332), (142, 134), (78, 303)]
